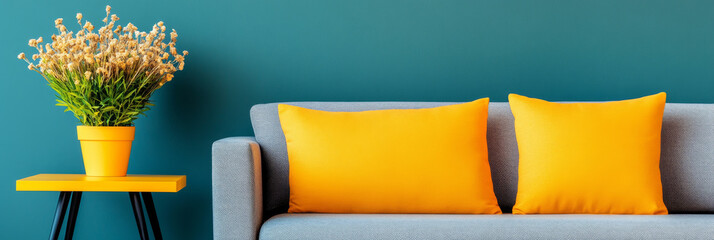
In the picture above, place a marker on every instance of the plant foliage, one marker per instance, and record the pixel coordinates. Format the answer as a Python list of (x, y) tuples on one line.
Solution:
[(106, 77)]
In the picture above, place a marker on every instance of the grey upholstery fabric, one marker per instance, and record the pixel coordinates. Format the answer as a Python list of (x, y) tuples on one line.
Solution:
[(687, 161), (237, 189), (687, 152), (420, 226)]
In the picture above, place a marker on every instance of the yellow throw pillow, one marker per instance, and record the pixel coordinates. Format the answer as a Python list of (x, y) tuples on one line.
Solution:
[(589, 158), (431, 160)]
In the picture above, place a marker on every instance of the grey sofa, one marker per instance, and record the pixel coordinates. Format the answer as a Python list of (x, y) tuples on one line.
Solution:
[(250, 188)]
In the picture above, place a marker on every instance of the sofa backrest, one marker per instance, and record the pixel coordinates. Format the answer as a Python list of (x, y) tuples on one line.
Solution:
[(687, 159)]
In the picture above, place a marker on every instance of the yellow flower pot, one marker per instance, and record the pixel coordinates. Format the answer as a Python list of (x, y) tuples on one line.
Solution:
[(105, 149)]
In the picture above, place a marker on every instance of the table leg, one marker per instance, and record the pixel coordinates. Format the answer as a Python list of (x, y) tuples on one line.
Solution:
[(72, 218), (139, 215), (59, 215), (151, 211)]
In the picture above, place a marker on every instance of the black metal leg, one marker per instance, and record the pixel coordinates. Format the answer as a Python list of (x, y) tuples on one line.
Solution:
[(72, 218), (139, 215), (151, 211), (59, 215)]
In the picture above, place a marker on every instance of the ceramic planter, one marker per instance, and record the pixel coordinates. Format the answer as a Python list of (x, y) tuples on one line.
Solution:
[(105, 150)]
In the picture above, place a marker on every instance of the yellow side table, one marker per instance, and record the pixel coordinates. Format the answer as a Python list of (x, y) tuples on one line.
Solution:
[(138, 187)]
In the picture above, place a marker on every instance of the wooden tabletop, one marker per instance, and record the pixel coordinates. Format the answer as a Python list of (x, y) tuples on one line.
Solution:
[(84, 183)]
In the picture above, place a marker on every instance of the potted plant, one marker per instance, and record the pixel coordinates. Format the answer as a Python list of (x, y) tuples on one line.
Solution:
[(106, 78)]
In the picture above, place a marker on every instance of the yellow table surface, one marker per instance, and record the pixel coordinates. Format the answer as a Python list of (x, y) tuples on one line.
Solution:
[(84, 183)]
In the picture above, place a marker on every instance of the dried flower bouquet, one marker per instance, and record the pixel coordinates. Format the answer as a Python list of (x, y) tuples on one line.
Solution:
[(106, 77)]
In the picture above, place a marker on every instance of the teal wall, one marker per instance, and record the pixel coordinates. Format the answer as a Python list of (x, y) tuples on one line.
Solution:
[(248, 52)]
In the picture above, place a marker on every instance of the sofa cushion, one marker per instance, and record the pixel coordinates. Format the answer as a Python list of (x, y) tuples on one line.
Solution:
[(431, 160), (270, 136), (597, 158), (506, 226)]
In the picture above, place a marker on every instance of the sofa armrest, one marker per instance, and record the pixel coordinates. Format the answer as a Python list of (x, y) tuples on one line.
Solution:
[(237, 188)]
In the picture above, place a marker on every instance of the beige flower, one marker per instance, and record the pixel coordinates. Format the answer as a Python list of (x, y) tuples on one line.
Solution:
[(111, 53), (88, 26)]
